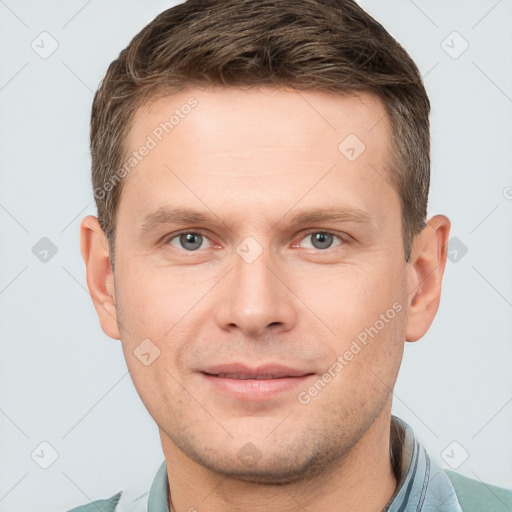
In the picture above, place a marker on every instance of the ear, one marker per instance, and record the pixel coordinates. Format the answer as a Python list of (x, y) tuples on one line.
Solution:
[(100, 277), (425, 274)]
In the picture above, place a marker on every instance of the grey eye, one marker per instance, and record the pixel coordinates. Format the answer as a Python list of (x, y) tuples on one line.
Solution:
[(322, 240), (189, 241)]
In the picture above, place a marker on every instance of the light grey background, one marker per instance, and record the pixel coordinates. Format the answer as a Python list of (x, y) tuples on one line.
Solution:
[(63, 382)]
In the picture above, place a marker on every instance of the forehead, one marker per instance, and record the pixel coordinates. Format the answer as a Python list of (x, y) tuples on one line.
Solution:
[(266, 144), (236, 119)]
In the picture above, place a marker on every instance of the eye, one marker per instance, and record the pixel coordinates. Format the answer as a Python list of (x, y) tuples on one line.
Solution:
[(320, 240), (189, 241)]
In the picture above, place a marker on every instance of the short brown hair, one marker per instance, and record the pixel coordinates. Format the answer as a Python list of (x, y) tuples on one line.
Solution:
[(319, 45)]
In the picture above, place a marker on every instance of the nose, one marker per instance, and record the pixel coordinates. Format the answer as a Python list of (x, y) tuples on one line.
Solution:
[(255, 299)]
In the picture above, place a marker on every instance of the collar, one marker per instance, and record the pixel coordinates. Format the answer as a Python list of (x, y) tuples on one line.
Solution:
[(422, 485), (157, 499)]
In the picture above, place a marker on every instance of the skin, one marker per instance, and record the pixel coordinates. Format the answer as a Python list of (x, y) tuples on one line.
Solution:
[(252, 160)]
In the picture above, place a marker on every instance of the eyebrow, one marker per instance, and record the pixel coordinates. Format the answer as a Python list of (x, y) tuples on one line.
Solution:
[(333, 215), (165, 216)]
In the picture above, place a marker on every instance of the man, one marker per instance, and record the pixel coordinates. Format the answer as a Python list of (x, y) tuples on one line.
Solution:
[(261, 171)]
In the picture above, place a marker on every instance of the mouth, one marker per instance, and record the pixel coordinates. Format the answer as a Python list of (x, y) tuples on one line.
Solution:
[(245, 376), (244, 372), (254, 384)]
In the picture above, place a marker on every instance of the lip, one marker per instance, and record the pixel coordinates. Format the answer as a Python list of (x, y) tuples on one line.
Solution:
[(254, 383), (275, 371)]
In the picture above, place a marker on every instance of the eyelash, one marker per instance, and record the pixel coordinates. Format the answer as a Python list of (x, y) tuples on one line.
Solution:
[(341, 236)]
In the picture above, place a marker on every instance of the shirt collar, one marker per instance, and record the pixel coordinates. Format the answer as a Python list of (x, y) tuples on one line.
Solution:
[(157, 499), (422, 485)]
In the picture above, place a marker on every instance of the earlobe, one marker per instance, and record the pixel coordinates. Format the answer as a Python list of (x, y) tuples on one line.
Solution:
[(425, 275), (100, 277)]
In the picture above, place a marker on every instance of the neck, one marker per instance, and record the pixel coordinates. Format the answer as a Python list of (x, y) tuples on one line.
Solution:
[(362, 481)]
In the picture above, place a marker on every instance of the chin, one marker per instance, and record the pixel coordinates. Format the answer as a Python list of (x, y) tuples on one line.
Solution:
[(270, 476), (273, 469)]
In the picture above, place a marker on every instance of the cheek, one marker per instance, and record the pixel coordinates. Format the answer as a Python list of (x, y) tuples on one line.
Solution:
[(369, 359), (161, 311), (151, 301), (352, 298), (365, 310)]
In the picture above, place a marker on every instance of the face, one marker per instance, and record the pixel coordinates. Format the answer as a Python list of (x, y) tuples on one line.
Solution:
[(261, 286)]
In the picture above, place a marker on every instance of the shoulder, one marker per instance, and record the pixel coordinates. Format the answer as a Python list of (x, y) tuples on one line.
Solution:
[(108, 505), (476, 496)]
